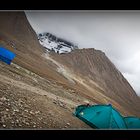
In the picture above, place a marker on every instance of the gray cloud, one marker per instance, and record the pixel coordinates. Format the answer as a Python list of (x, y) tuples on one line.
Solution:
[(115, 33)]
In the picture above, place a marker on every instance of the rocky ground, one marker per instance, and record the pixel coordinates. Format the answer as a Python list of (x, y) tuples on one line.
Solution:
[(28, 101)]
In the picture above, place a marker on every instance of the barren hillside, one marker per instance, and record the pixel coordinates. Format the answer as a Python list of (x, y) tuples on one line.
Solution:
[(41, 90), (99, 73)]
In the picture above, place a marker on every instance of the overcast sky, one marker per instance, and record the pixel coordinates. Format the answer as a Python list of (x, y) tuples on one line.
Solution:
[(117, 33)]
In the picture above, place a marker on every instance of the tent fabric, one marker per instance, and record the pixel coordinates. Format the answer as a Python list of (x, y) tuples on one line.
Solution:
[(100, 116), (132, 122), (6, 55)]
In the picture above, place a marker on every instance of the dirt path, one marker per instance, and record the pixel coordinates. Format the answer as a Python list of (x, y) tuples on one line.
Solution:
[(36, 90)]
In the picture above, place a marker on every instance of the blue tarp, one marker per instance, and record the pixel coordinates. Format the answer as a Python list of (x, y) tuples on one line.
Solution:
[(6, 55)]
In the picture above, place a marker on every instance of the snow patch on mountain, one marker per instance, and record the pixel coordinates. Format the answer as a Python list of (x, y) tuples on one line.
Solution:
[(55, 44)]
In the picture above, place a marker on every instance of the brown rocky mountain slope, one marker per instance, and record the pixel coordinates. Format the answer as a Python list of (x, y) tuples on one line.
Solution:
[(95, 67), (41, 90)]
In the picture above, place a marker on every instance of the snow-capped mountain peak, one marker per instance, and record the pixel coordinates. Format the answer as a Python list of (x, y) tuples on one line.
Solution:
[(53, 43)]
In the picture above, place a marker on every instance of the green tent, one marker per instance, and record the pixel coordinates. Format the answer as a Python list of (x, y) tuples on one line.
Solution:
[(100, 116), (132, 122)]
